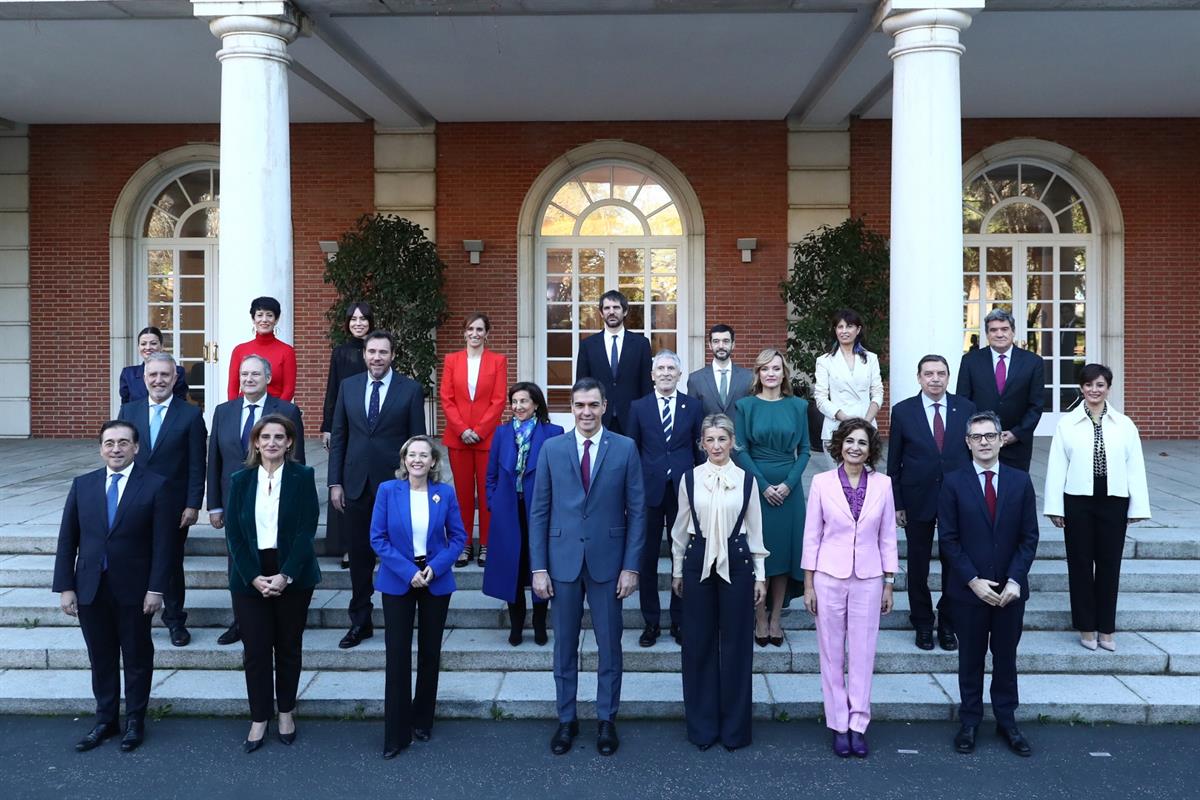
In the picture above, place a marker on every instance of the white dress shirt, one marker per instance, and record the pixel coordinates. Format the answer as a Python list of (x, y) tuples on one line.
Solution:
[(608, 340), (1069, 467), (121, 484), (928, 402), (418, 514), (473, 363), (266, 507), (594, 439), (658, 403), (980, 469), (258, 414), (1007, 359), (166, 406), (383, 390)]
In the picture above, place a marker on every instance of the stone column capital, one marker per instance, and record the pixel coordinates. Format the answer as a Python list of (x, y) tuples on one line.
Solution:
[(258, 21), (927, 25)]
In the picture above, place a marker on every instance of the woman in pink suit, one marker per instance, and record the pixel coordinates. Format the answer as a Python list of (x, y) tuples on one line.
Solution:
[(472, 393), (849, 566)]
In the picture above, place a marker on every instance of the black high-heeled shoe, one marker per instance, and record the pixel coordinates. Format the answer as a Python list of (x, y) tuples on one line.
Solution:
[(250, 745), (514, 637), (776, 641), (288, 738), (345, 562)]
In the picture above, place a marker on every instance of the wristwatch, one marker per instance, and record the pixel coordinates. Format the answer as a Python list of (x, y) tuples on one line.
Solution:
[(889, 579), (287, 578)]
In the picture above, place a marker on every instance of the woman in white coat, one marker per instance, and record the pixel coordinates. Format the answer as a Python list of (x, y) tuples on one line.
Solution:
[(1095, 486), (848, 382)]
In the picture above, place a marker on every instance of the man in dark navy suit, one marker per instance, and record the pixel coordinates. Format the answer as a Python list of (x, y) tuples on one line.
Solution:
[(988, 531), (112, 566), (665, 426), (173, 439), (1008, 380), (927, 440), (618, 358)]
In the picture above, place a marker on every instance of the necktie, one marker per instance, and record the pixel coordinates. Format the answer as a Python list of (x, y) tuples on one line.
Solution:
[(373, 410), (1001, 375), (155, 424), (613, 358), (724, 387), (989, 493), (585, 466), (246, 428), (666, 418), (113, 497), (939, 427)]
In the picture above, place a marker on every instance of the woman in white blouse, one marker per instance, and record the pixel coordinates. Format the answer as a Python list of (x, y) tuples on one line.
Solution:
[(848, 382), (270, 522), (1095, 486), (719, 572)]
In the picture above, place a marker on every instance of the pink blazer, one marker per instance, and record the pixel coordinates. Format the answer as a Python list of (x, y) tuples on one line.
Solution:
[(837, 545)]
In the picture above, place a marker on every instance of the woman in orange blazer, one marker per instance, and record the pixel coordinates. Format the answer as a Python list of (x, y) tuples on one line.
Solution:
[(472, 390)]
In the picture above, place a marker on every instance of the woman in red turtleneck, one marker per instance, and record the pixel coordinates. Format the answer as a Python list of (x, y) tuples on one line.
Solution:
[(265, 312)]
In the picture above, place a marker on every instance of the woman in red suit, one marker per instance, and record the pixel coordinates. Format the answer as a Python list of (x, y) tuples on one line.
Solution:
[(265, 312), (472, 392)]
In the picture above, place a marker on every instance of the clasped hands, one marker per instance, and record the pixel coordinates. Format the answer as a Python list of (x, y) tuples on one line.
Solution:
[(469, 436), (422, 578), (985, 590), (270, 587), (775, 495)]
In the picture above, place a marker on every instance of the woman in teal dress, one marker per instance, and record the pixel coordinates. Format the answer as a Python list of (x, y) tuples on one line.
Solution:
[(772, 428)]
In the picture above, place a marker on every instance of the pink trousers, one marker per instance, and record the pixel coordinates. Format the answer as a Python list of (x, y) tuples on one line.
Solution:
[(847, 618)]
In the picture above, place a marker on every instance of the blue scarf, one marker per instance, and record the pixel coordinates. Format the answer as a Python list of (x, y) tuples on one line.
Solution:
[(524, 434)]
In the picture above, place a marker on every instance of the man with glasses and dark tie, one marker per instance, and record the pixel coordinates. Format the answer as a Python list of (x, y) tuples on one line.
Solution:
[(376, 412), (988, 531), (618, 358), (230, 442), (722, 383), (173, 439)]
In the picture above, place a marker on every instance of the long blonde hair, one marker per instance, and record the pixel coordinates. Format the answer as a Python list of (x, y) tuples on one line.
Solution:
[(764, 358)]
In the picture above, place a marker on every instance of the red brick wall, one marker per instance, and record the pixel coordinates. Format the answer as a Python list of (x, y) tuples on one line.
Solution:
[(1153, 168), (76, 173)]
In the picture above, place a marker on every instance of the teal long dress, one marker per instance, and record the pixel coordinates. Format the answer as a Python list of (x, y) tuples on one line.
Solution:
[(773, 437)]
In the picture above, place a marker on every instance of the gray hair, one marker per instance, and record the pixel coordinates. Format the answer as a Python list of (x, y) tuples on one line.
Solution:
[(985, 416), (999, 315), (162, 355), (266, 365), (668, 354)]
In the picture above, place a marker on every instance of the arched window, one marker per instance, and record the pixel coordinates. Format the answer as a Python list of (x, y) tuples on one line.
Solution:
[(607, 226), (1028, 248)]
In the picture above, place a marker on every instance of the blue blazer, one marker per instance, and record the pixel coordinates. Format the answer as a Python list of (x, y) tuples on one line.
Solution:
[(178, 455), (133, 383), (604, 527), (974, 545), (914, 463), (504, 531), (391, 537), (659, 456)]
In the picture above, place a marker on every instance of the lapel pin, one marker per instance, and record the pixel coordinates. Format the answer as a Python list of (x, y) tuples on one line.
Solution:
[(437, 498)]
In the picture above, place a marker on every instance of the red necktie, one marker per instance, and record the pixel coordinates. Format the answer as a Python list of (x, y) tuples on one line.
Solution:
[(939, 427), (585, 466), (1001, 375), (989, 493)]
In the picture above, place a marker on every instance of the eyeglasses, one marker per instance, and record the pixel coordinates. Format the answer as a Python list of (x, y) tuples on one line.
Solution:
[(983, 437)]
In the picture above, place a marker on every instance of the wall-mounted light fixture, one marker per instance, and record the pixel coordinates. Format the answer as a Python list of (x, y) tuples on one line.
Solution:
[(747, 246), (329, 250), (474, 247)]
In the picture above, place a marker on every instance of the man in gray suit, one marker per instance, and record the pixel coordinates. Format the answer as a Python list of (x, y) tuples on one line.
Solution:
[(587, 526), (720, 385)]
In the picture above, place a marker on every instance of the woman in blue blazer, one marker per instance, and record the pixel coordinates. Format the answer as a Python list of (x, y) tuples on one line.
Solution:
[(133, 379), (512, 461), (417, 531)]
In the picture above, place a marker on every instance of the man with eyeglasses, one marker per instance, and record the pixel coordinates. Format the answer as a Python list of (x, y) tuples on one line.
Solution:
[(988, 531)]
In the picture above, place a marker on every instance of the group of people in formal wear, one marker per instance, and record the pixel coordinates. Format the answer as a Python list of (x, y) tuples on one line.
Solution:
[(583, 514)]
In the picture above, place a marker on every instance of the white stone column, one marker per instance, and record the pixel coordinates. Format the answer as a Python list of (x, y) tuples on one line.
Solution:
[(926, 225), (255, 256)]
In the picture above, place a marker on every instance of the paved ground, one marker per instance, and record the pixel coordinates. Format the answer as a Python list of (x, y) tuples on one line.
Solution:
[(202, 758)]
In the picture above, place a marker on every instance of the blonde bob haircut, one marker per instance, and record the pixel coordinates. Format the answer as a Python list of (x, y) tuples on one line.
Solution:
[(763, 359), (435, 461)]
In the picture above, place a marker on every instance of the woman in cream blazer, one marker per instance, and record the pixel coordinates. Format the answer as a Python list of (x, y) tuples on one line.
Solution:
[(848, 381)]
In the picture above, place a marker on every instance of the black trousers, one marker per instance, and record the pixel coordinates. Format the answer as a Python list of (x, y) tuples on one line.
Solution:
[(272, 643), (657, 518), (115, 633), (335, 532), (919, 535), (516, 611), (356, 535), (981, 627), (1095, 538), (718, 647), (173, 615), (402, 710)]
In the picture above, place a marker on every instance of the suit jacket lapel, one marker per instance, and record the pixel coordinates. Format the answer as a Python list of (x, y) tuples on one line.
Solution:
[(131, 490), (406, 532), (141, 421), (602, 449), (170, 418), (357, 397)]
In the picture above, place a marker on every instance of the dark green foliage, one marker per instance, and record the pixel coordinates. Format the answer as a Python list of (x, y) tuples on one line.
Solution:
[(834, 268), (390, 263)]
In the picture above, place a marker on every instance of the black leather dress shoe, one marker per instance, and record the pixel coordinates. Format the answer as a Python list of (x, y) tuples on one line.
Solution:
[(1015, 739), (391, 752), (355, 635), (422, 734), (947, 640), (925, 640), (180, 636), (134, 731), (649, 636), (964, 740), (562, 739), (96, 737), (606, 738), (676, 634), (232, 635)]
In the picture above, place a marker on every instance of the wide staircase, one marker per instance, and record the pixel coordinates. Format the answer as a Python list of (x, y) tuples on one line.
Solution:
[(1153, 677)]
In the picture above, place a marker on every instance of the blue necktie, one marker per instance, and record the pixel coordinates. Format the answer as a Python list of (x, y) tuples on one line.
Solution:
[(612, 358), (113, 497), (246, 428), (666, 418), (155, 424), (373, 410)]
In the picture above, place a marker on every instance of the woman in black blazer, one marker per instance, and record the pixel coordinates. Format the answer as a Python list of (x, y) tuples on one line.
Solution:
[(345, 360), (133, 379), (270, 521)]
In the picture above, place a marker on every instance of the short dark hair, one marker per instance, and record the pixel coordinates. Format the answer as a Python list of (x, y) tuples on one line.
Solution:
[(721, 328), (586, 385), (932, 357), (151, 330), (474, 315), (362, 307), (118, 423), (985, 416), (849, 426), (381, 334), (540, 410), (613, 294), (1090, 372), (253, 459), (266, 304)]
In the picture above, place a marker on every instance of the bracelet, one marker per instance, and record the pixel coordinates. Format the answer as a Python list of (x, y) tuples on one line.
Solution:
[(889, 579)]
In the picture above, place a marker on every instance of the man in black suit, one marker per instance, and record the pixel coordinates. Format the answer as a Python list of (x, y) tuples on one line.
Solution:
[(173, 437), (927, 440), (665, 426), (376, 412), (112, 566), (230, 442), (1008, 380), (618, 358), (988, 531), (722, 383)]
